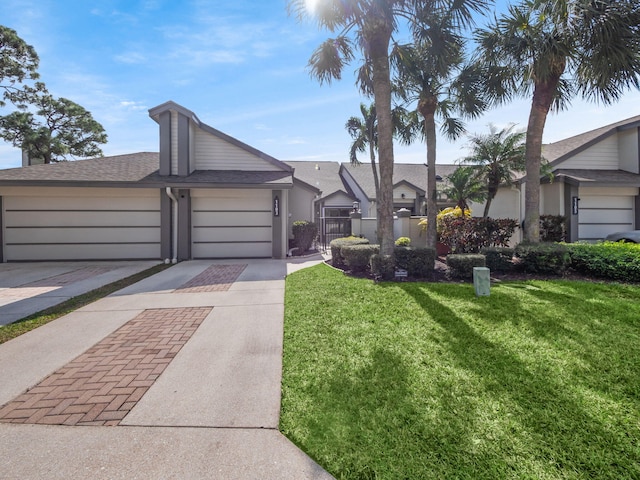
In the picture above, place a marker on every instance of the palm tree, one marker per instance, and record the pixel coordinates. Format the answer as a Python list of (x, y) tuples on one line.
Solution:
[(371, 23), (465, 186), (364, 131), (498, 155), (552, 51), (431, 72)]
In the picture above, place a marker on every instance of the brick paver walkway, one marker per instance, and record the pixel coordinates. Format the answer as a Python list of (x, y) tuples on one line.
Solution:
[(216, 278), (103, 384)]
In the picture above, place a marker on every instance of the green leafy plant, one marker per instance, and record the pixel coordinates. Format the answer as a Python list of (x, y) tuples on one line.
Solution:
[(470, 235), (546, 258), (403, 242), (383, 266), (608, 260), (304, 233), (357, 257), (461, 265), (552, 228), (336, 246), (418, 262), (499, 259)]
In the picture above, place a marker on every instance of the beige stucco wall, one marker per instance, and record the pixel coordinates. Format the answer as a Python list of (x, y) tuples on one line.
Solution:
[(300, 206)]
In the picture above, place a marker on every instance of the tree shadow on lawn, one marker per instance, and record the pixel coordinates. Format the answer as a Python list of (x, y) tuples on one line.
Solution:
[(561, 432)]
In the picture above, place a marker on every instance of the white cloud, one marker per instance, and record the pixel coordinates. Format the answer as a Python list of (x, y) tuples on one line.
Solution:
[(131, 58)]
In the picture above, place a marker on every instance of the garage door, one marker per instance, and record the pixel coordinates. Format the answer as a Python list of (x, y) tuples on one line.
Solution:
[(601, 215), (231, 224), (120, 225)]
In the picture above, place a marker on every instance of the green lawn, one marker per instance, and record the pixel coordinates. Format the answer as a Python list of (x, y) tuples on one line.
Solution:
[(413, 380)]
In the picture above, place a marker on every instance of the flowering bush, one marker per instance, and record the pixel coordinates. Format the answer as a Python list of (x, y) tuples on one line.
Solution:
[(449, 212), (403, 242)]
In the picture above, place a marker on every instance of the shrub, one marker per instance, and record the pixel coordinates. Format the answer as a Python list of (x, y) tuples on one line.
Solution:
[(499, 259), (418, 262), (304, 233), (546, 258), (337, 244), (552, 228), (383, 266), (461, 265), (403, 242), (357, 257), (609, 260), (470, 235)]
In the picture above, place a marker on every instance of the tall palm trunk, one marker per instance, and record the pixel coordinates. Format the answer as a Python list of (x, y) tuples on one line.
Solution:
[(427, 108), (542, 101), (376, 180), (379, 54)]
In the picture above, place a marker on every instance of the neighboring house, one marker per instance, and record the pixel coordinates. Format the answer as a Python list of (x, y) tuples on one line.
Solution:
[(334, 201), (205, 195), (596, 181)]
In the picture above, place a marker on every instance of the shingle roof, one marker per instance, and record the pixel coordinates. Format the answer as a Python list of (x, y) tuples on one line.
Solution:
[(601, 178), (322, 175), (136, 169), (558, 151), (414, 173), (132, 168)]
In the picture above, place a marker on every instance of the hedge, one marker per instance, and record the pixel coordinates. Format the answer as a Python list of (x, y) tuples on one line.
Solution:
[(461, 265), (336, 245)]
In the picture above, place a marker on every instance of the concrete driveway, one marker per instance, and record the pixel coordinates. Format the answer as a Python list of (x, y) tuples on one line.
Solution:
[(177, 376), (27, 288)]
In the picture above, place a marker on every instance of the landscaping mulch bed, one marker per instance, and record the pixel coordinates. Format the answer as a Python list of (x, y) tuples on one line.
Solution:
[(440, 275)]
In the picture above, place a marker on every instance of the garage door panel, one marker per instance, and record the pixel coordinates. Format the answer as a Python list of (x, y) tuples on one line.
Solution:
[(81, 219), (82, 252), (231, 250), (622, 216), (601, 201), (239, 234), (82, 235), (116, 203), (232, 219)]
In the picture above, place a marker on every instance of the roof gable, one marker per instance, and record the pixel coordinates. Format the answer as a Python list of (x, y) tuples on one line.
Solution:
[(187, 144), (557, 152)]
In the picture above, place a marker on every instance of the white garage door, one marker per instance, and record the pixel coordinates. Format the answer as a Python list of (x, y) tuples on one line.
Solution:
[(119, 225), (231, 224), (601, 215)]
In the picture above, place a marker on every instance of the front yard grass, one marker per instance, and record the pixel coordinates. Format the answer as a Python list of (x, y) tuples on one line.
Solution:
[(414, 380)]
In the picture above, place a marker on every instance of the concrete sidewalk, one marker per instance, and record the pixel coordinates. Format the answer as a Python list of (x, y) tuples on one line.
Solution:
[(211, 412)]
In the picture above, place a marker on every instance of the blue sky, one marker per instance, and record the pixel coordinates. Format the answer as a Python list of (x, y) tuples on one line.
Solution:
[(240, 65)]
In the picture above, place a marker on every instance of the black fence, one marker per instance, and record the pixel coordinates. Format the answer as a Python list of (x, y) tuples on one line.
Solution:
[(333, 228)]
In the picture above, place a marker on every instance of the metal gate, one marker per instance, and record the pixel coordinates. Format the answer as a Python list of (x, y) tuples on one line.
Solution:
[(333, 228)]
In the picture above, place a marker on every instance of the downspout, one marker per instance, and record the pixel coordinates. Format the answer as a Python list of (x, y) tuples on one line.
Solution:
[(174, 225)]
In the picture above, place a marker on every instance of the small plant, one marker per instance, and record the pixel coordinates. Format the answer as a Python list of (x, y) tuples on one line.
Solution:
[(304, 233), (418, 262), (383, 266), (545, 258), (461, 265), (499, 259), (403, 242), (357, 257), (552, 228)]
